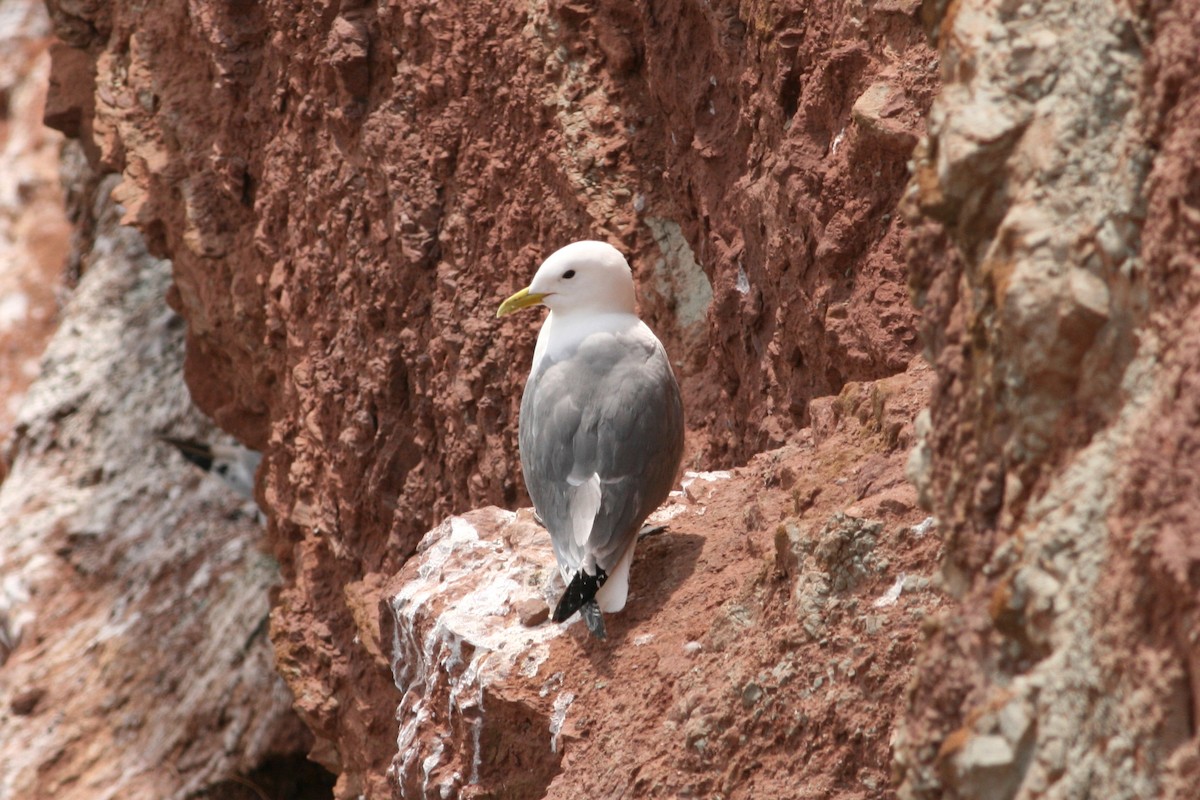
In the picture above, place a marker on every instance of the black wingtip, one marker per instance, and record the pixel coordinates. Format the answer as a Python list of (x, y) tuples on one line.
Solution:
[(198, 453), (582, 589)]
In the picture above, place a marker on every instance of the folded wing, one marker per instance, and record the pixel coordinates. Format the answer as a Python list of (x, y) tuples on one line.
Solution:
[(601, 441)]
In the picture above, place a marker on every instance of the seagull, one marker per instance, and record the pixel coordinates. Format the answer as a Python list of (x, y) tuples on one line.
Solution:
[(601, 427), (234, 465)]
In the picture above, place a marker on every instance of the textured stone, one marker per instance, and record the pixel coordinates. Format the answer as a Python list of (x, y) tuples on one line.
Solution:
[(34, 229), (347, 192), (1045, 330), (140, 665), (460, 652)]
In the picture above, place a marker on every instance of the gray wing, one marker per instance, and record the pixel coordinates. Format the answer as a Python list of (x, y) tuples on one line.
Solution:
[(612, 410)]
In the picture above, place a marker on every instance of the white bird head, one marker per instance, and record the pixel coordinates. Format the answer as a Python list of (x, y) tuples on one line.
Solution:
[(583, 276)]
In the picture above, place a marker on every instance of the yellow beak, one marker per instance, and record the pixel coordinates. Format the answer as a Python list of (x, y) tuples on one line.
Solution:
[(522, 299)]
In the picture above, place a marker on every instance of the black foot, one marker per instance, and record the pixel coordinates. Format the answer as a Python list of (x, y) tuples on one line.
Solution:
[(594, 619)]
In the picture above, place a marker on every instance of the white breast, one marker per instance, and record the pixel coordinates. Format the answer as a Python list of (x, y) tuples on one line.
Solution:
[(562, 333)]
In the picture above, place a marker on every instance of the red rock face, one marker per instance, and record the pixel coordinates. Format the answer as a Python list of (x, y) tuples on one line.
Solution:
[(34, 231), (347, 193), (1154, 598), (133, 598), (346, 196), (1058, 448), (764, 647), (380, 162)]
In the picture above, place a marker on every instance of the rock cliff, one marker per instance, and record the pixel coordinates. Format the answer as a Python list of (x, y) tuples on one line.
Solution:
[(1057, 172), (837, 217)]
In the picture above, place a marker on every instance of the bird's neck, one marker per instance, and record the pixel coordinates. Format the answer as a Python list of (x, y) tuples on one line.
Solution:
[(562, 332)]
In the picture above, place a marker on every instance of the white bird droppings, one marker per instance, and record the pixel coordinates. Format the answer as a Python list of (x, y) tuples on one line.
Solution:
[(455, 633), (890, 597), (561, 704)]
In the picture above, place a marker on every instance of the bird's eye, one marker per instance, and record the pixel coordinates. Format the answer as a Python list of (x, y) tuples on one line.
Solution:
[(569, 274)]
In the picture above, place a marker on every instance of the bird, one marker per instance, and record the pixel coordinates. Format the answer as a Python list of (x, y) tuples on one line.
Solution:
[(601, 427), (234, 464)]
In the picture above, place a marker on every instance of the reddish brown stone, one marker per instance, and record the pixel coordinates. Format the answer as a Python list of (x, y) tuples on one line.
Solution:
[(25, 702), (346, 198)]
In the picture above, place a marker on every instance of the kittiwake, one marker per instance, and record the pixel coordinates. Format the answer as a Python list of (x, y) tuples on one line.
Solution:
[(601, 429), (234, 464)]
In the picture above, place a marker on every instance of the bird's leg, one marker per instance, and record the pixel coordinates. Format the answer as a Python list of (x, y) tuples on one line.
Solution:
[(590, 612)]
